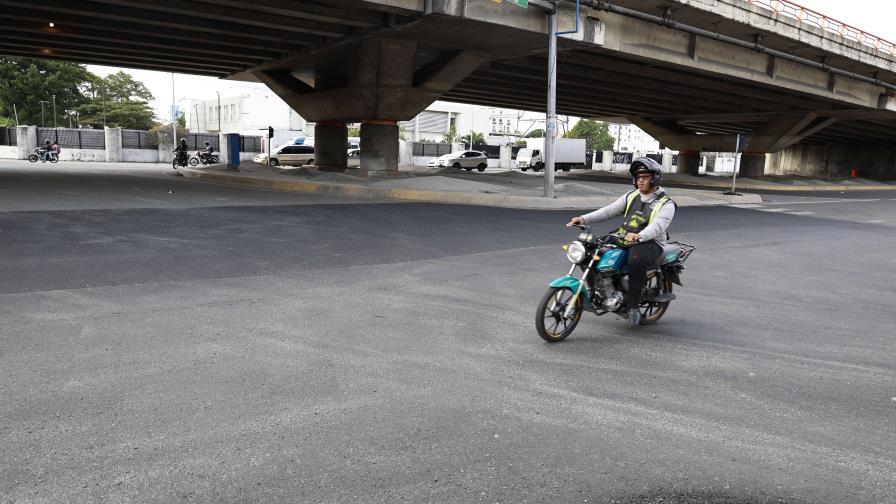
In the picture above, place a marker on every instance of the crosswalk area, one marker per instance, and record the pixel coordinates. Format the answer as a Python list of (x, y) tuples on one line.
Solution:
[(867, 210)]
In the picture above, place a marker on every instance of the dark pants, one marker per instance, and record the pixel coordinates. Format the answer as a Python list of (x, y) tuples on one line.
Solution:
[(640, 257)]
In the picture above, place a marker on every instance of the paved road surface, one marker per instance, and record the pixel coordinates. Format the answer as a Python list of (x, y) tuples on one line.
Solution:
[(221, 345)]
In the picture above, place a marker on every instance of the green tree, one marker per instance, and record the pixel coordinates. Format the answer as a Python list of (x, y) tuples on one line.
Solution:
[(161, 133), (536, 133), (124, 100), (354, 132), (595, 133), (26, 82), (451, 135), (477, 138)]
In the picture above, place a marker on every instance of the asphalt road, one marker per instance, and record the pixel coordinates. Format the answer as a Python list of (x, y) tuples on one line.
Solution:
[(165, 340)]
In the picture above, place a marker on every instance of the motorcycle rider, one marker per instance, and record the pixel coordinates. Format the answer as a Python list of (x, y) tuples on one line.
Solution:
[(45, 152), (206, 153), (181, 151), (648, 212)]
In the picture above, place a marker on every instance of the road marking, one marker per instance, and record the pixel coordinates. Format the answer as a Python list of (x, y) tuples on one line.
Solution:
[(824, 201), (875, 221), (774, 209), (800, 213)]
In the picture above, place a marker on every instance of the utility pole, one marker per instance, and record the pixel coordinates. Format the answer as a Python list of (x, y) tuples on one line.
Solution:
[(54, 111), (551, 126), (15, 111), (42, 112), (219, 112), (173, 114), (103, 89)]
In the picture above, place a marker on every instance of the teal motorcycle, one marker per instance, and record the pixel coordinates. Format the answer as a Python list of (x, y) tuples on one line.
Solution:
[(601, 288)]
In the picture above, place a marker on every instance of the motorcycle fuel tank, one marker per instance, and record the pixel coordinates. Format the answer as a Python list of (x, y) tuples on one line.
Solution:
[(615, 259)]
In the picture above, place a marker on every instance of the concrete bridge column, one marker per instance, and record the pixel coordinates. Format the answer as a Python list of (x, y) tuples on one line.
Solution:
[(26, 140), (688, 162), (331, 145), (667, 162), (752, 164), (505, 161), (379, 146), (113, 145)]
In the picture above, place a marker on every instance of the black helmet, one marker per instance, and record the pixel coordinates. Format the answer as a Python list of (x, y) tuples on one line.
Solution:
[(644, 165), (206, 142), (46, 140), (183, 140)]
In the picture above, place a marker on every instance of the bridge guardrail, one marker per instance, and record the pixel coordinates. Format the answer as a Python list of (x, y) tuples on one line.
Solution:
[(810, 16)]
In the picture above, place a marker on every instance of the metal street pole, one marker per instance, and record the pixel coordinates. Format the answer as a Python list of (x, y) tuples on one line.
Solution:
[(15, 111), (551, 126), (104, 106), (173, 114), (54, 111), (219, 112), (42, 112), (736, 166)]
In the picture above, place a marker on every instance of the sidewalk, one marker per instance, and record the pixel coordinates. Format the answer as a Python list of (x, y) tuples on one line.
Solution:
[(722, 181), (511, 189)]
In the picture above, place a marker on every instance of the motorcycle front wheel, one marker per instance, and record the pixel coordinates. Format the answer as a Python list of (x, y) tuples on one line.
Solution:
[(194, 161), (33, 158), (551, 321)]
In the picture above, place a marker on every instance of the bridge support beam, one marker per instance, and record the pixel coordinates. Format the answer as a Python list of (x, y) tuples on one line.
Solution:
[(752, 164), (688, 162), (330, 146), (380, 84), (379, 146)]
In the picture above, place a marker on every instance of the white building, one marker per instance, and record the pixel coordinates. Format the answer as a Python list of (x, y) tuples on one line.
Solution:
[(630, 138), (248, 112)]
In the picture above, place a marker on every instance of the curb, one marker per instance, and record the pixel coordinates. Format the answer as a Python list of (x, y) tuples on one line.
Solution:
[(450, 197), (752, 186)]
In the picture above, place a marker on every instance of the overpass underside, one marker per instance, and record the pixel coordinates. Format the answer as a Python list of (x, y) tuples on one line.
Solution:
[(382, 61)]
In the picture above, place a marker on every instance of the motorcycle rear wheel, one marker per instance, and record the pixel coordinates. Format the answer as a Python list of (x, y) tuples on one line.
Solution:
[(652, 312), (550, 321), (54, 159), (194, 161)]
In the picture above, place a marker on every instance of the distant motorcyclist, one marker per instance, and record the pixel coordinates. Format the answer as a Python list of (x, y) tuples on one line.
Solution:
[(181, 152), (648, 212), (45, 151), (206, 153)]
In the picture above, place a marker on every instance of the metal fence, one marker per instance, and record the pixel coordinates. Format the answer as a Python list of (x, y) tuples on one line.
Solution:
[(73, 138), (136, 139), (250, 143), (197, 141), (421, 149), (8, 136)]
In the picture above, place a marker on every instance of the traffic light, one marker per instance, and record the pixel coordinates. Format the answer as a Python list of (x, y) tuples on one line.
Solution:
[(270, 132)]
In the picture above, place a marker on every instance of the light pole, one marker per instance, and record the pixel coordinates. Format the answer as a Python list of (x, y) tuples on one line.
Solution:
[(219, 112), (551, 126), (42, 112)]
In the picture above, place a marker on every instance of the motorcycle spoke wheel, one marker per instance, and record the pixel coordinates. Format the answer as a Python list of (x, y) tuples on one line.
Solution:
[(652, 312), (551, 321)]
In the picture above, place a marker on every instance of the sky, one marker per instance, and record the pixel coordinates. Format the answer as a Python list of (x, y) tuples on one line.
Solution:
[(877, 17)]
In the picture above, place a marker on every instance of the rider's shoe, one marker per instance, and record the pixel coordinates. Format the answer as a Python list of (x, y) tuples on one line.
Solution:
[(634, 317)]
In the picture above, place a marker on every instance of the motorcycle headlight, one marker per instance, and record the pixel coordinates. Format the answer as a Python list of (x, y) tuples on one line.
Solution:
[(576, 252)]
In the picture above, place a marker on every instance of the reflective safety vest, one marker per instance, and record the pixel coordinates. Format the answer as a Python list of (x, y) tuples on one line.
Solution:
[(639, 215)]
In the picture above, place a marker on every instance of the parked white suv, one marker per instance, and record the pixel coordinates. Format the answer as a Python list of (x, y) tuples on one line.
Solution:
[(463, 159), (289, 155)]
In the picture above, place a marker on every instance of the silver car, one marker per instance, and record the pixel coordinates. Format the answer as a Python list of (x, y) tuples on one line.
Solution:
[(466, 160)]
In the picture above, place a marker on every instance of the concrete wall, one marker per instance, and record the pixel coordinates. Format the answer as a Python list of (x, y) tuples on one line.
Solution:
[(9, 152), (140, 155), (83, 155), (405, 153), (836, 161)]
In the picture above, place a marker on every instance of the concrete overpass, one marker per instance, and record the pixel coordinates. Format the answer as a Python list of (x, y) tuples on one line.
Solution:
[(693, 73)]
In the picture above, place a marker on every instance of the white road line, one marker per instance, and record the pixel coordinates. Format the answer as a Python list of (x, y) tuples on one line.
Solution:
[(823, 201), (774, 209), (800, 213), (875, 221)]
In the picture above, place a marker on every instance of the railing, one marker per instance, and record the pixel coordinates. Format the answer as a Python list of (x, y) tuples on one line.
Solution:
[(810, 16), (136, 139), (73, 138), (8, 136), (250, 143)]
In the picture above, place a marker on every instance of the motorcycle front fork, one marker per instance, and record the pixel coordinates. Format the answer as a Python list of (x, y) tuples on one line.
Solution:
[(575, 298)]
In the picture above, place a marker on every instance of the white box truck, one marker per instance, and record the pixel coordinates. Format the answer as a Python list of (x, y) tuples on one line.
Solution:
[(569, 153)]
